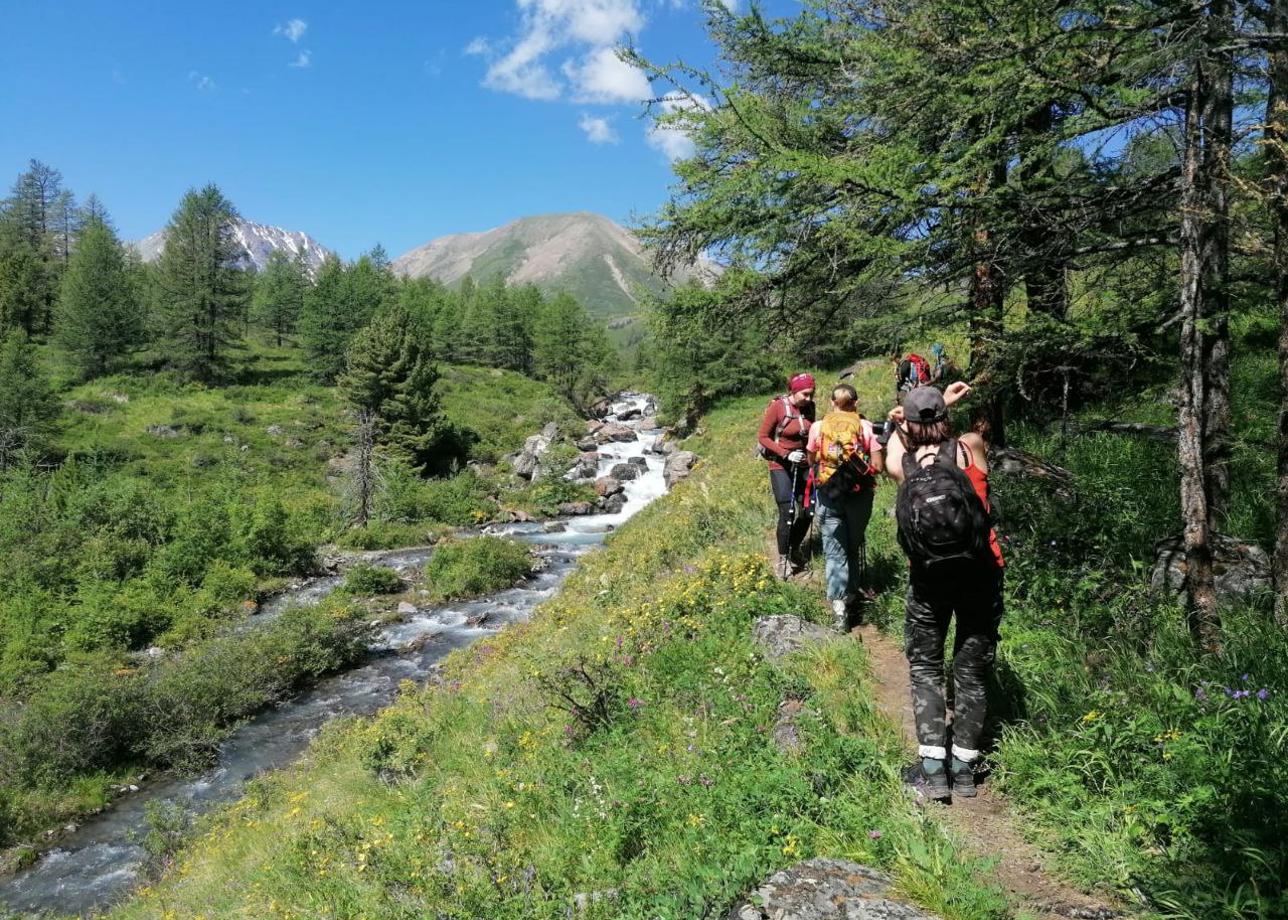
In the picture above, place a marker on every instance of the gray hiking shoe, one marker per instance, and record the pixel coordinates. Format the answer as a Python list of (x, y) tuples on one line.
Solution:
[(963, 776), (841, 614), (928, 779)]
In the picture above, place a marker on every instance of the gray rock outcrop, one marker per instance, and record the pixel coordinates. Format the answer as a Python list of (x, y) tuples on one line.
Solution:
[(678, 466), (780, 635), (826, 889), (607, 486), (1241, 569), (624, 472)]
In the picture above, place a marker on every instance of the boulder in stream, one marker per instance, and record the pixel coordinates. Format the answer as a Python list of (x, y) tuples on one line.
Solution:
[(616, 433), (576, 509), (608, 485), (613, 504), (624, 472)]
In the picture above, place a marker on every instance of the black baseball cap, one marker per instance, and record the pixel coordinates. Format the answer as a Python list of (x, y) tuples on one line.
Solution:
[(925, 405)]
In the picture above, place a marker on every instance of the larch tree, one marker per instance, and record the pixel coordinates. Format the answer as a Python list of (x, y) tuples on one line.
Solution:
[(99, 318), (280, 289), (28, 406)]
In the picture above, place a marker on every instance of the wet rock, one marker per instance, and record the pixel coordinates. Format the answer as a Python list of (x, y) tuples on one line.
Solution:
[(587, 445), (825, 889), (576, 509), (594, 426), (786, 733), (584, 469), (608, 485), (627, 414), (405, 608), (648, 424), (614, 504), (555, 527), (678, 466), (618, 433), (640, 462), (624, 472), (600, 408), (1241, 569), (513, 516), (780, 635), (666, 448)]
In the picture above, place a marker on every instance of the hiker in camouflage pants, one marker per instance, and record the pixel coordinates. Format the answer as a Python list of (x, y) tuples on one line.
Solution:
[(975, 595)]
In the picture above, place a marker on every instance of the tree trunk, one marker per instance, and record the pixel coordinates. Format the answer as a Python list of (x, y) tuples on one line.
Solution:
[(988, 299), (365, 473), (1204, 618), (1217, 115), (1277, 163), (1044, 281)]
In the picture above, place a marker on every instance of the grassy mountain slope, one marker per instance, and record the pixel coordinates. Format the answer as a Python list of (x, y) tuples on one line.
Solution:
[(596, 260)]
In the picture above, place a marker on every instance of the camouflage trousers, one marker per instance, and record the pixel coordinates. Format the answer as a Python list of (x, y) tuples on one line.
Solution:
[(972, 593)]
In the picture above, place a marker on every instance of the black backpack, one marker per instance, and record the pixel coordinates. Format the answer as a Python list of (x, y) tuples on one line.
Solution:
[(940, 515)]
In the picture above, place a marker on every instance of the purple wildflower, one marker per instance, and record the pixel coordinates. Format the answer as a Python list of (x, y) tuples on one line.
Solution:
[(634, 703), (706, 781), (874, 835), (1263, 694), (1244, 678), (1200, 694), (683, 779), (1241, 694)]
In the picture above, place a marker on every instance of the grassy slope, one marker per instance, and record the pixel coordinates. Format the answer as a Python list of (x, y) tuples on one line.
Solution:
[(477, 797)]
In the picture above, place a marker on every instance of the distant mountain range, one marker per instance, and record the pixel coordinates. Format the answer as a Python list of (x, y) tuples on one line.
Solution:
[(257, 241), (596, 260)]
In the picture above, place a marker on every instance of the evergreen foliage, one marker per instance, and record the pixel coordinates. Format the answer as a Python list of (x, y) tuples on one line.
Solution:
[(279, 294), (28, 406), (99, 318), (389, 374), (203, 291)]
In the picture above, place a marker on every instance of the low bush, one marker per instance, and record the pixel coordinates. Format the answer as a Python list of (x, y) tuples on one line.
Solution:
[(363, 578), (462, 568)]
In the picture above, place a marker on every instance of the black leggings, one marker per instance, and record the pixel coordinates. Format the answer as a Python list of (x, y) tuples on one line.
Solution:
[(790, 535)]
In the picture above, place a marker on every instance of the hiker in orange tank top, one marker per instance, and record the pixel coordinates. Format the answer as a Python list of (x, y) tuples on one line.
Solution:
[(954, 572)]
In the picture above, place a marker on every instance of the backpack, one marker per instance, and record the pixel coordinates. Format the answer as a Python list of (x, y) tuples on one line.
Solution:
[(940, 515), (842, 464), (789, 412), (914, 371)]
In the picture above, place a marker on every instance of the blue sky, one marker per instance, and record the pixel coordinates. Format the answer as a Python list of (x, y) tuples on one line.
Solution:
[(384, 122)]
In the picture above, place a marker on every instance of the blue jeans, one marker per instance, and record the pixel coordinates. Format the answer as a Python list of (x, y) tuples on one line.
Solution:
[(844, 523)]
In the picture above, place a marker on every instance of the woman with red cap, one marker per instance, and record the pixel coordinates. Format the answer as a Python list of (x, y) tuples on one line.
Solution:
[(784, 431)]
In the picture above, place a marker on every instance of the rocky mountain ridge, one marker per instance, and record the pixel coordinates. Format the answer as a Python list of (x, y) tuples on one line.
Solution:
[(257, 241)]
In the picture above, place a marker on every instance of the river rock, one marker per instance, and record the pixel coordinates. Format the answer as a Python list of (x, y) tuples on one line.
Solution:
[(678, 466), (825, 889), (1241, 569), (600, 408), (631, 413), (624, 472), (613, 504), (584, 468), (594, 426), (550, 432), (576, 509), (587, 445), (607, 485), (640, 462), (778, 636), (613, 432), (648, 424), (406, 609), (528, 462)]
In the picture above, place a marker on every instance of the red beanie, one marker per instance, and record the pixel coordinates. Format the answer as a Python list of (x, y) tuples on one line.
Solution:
[(801, 382)]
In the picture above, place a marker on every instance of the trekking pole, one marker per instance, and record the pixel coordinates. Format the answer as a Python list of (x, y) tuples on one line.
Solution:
[(791, 518)]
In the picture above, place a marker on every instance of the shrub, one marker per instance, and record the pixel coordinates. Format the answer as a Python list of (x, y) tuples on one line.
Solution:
[(480, 565), (372, 579)]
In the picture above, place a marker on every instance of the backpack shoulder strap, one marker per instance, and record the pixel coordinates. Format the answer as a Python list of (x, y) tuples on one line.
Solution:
[(947, 456)]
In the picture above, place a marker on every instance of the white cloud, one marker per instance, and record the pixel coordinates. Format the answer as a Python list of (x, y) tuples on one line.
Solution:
[(292, 30), (672, 138), (303, 59), (598, 130), (730, 5), (602, 76), (548, 25), (203, 81)]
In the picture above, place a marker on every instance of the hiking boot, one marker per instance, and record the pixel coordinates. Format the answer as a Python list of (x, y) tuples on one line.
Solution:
[(840, 614), (928, 779), (963, 776), (798, 561)]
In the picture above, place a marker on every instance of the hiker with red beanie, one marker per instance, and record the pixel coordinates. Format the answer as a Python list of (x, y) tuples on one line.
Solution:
[(784, 431)]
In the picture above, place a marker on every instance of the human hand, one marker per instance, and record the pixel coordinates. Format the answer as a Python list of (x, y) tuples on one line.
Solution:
[(955, 391), (896, 415), (796, 456)]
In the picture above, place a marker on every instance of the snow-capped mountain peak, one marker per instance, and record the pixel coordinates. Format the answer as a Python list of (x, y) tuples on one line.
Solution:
[(257, 242)]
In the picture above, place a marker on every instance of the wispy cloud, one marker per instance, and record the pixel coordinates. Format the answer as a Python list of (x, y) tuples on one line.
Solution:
[(292, 30), (672, 136), (202, 81), (602, 76), (598, 130), (521, 66), (303, 59)]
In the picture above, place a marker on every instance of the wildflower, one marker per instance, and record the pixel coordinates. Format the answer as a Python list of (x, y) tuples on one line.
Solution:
[(706, 781), (696, 820), (1092, 716), (1244, 678), (683, 779), (1263, 694), (634, 703), (1200, 694), (874, 835)]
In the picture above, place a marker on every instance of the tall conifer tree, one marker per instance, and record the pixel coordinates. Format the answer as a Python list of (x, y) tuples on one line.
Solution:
[(99, 318)]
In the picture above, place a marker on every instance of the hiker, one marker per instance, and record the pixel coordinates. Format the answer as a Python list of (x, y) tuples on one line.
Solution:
[(940, 366), (784, 431), (911, 370), (843, 446), (955, 569)]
